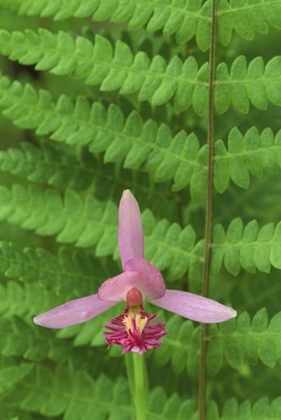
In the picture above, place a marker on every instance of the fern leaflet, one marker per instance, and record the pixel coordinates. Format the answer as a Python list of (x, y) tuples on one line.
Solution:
[(10, 375), (156, 81), (144, 145), (66, 273), (92, 222), (25, 302), (19, 338), (246, 341), (64, 392), (184, 18), (252, 153), (249, 247), (241, 341)]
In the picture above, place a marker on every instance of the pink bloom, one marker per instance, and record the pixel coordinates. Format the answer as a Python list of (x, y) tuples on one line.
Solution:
[(140, 280)]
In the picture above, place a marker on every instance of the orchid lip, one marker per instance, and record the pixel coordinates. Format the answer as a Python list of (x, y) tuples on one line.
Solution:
[(134, 331)]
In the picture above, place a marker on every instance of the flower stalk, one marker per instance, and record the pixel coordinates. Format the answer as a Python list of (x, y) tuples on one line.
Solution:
[(140, 387)]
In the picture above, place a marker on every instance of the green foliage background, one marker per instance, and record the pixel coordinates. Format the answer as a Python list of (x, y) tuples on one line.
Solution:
[(102, 95)]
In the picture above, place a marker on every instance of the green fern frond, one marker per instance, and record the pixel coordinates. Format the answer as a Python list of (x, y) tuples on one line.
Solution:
[(50, 164), (250, 247), (77, 274), (232, 410), (184, 19), (150, 43), (12, 372), (26, 301), (246, 18), (182, 159), (142, 145), (19, 338), (156, 80), (64, 382), (8, 413), (91, 222), (76, 394), (81, 170), (252, 153), (254, 82), (247, 341), (10, 375), (162, 407), (63, 391), (239, 341), (261, 409), (84, 223), (180, 347)]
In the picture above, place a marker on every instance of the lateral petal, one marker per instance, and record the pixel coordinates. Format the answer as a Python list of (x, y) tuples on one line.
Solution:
[(73, 312), (130, 232), (195, 307)]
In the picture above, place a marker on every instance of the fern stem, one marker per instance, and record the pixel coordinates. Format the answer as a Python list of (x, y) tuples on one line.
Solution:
[(139, 389), (208, 218)]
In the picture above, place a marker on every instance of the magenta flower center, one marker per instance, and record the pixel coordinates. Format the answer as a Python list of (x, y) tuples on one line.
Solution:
[(134, 330)]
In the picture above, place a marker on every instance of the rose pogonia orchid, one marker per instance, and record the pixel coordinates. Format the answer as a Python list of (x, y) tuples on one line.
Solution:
[(140, 281)]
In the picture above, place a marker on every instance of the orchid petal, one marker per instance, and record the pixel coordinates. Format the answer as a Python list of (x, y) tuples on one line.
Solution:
[(195, 307), (115, 289), (130, 233), (73, 312), (153, 284)]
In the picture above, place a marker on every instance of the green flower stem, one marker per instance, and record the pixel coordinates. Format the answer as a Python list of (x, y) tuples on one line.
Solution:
[(139, 386)]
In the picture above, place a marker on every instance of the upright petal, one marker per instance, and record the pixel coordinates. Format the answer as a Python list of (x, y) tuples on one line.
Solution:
[(195, 307), (140, 274), (130, 233), (153, 284), (115, 289), (73, 312)]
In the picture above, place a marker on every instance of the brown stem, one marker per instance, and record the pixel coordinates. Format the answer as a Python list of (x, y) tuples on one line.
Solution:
[(208, 219)]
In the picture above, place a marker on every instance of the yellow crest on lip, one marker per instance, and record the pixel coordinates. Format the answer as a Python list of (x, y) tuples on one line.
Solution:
[(134, 321)]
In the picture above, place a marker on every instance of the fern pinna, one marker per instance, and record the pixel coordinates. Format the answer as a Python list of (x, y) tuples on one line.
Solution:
[(177, 103)]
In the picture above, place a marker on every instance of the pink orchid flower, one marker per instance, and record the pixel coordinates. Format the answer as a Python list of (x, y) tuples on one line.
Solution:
[(140, 281)]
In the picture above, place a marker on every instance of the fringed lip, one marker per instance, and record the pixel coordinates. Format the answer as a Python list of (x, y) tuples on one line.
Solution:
[(134, 331)]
